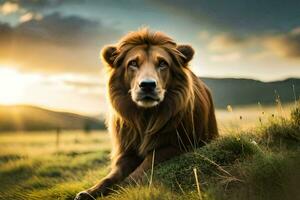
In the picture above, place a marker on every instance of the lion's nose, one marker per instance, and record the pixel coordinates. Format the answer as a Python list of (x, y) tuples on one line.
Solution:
[(148, 85)]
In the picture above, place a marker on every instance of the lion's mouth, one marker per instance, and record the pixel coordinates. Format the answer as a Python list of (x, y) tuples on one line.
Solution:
[(148, 97)]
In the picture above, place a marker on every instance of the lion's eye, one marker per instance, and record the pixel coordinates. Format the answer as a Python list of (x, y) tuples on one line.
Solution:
[(133, 64), (162, 64)]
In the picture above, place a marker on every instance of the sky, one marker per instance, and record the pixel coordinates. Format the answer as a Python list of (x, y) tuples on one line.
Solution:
[(49, 49)]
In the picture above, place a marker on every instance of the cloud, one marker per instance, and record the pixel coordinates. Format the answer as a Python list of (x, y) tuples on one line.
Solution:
[(236, 16), (82, 84), (77, 84), (228, 42), (229, 47), (40, 4), (204, 35), (9, 8), (30, 16), (284, 45), (226, 47), (227, 57), (86, 87), (26, 17), (55, 44), (69, 30)]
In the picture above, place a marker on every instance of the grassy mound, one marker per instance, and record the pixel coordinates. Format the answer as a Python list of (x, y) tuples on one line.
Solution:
[(259, 164)]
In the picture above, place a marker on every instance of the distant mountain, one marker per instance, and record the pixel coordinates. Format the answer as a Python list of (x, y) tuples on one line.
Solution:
[(230, 91), (22, 118)]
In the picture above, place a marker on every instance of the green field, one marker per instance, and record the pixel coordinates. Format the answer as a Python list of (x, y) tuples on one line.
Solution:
[(257, 157)]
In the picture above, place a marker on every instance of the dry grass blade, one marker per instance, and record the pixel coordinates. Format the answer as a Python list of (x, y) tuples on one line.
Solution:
[(220, 168), (152, 169), (214, 163), (197, 183)]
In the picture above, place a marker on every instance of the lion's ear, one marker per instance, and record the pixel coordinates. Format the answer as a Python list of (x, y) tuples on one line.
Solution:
[(187, 51), (108, 54)]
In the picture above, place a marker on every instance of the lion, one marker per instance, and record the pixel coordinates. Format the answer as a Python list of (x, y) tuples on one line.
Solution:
[(159, 107)]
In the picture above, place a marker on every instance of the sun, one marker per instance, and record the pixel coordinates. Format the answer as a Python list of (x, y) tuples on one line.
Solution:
[(12, 85)]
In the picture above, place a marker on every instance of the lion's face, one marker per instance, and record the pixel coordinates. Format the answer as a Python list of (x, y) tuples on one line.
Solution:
[(145, 68), (147, 72)]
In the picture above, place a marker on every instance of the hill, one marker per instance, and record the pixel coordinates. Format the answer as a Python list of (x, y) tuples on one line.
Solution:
[(26, 118), (230, 91)]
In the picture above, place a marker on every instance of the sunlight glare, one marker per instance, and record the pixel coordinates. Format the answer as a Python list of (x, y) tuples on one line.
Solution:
[(12, 86)]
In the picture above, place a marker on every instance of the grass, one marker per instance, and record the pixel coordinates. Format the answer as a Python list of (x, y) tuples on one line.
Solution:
[(32, 166), (260, 162)]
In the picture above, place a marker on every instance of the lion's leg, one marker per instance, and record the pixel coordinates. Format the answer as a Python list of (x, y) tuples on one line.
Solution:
[(159, 155), (123, 166)]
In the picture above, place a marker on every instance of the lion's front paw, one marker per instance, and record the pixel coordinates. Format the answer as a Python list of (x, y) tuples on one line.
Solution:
[(84, 196)]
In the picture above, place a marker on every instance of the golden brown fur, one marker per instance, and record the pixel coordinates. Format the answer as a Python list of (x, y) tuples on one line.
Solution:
[(184, 120), (188, 104)]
